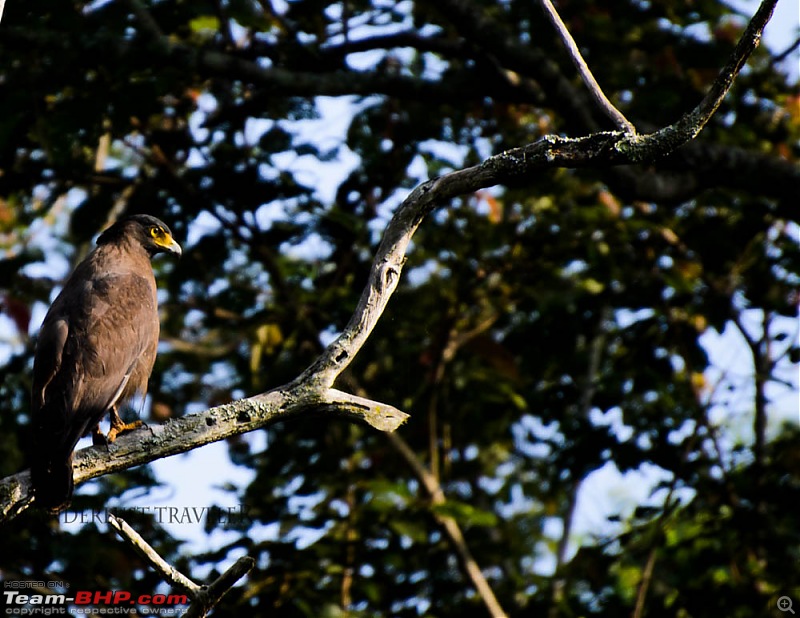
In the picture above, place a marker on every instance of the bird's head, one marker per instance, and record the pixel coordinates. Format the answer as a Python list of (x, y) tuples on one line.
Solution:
[(152, 234)]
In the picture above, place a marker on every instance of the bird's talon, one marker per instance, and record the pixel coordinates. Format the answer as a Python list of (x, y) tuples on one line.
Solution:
[(120, 428)]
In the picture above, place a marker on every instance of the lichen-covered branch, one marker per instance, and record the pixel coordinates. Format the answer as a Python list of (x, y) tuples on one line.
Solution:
[(190, 432)]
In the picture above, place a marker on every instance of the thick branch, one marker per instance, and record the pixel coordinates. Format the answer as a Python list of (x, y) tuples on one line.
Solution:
[(190, 432), (702, 165)]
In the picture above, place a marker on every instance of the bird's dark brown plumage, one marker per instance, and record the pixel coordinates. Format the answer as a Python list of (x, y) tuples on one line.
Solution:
[(96, 349)]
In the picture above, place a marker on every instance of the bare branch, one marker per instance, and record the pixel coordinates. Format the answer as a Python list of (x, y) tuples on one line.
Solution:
[(600, 149), (583, 69), (190, 432), (786, 52), (168, 572), (647, 576), (209, 596), (691, 124), (450, 526), (203, 597)]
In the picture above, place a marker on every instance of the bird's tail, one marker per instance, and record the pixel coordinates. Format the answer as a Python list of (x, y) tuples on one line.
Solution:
[(51, 461), (51, 476)]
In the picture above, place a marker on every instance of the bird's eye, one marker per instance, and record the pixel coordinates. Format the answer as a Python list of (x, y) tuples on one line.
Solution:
[(155, 232)]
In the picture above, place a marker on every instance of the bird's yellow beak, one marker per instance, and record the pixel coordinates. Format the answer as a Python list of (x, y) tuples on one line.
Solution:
[(168, 244)]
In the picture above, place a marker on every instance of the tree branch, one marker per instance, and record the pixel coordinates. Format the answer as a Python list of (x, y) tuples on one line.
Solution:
[(203, 597), (644, 584), (209, 596), (479, 28), (688, 127), (450, 526), (702, 165), (190, 432), (170, 574), (583, 69)]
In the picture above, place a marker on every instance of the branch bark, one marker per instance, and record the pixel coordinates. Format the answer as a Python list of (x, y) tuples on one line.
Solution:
[(184, 434)]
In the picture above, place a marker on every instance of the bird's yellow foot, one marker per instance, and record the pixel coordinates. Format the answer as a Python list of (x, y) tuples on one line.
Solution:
[(118, 426)]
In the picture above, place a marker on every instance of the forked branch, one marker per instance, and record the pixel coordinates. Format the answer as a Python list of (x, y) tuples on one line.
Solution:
[(203, 597)]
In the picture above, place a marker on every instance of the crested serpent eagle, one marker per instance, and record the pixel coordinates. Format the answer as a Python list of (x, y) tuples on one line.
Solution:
[(96, 349)]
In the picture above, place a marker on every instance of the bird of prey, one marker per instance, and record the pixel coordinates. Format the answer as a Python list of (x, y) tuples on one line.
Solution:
[(96, 349)]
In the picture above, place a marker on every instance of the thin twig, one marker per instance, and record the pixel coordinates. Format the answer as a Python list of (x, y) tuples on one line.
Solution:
[(451, 528), (647, 576), (762, 368), (690, 125), (786, 52), (622, 123), (656, 531), (151, 556), (203, 597)]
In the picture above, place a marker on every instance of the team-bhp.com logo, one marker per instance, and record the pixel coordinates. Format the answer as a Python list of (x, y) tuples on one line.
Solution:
[(93, 602)]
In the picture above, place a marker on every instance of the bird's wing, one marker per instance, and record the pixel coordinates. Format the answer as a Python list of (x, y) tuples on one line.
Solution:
[(122, 321), (101, 329), (49, 352)]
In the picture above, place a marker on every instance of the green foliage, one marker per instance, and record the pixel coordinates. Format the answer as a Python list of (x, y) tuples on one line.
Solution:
[(541, 333)]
